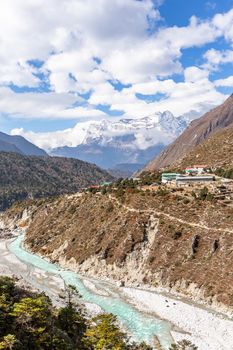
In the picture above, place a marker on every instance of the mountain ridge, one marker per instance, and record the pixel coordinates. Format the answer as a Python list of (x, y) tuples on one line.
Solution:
[(215, 152), (9, 147), (197, 132), (24, 177), (129, 140), (18, 144)]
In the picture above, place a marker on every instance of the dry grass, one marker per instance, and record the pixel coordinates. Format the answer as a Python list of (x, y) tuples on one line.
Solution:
[(96, 225)]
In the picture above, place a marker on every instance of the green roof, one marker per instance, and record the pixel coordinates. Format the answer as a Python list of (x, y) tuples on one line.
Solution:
[(169, 174)]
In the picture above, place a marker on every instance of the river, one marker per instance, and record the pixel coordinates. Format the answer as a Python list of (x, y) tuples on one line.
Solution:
[(142, 326)]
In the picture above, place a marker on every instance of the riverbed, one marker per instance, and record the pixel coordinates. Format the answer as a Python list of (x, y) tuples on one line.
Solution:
[(144, 314)]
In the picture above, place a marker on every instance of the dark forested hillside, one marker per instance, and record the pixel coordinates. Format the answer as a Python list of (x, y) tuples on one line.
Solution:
[(24, 177)]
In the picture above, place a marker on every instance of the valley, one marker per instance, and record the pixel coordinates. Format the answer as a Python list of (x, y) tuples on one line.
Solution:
[(150, 246), (140, 248), (145, 314), (116, 175), (153, 250)]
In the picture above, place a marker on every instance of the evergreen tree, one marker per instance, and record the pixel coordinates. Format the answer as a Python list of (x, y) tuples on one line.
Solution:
[(71, 318), (183, 345), (103, 333)]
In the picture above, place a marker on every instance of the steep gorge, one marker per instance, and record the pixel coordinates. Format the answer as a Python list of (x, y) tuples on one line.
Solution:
[(141, 240)]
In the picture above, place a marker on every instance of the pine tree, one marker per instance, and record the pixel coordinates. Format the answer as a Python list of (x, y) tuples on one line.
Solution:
[(103, 333), (183, 345)]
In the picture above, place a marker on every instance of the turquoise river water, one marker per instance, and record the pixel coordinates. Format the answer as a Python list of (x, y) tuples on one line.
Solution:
[(142, 327)]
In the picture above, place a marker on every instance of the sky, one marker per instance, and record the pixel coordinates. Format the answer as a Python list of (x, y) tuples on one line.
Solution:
[(64, 62)]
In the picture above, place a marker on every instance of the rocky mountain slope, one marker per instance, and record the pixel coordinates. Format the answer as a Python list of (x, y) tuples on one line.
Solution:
[(197, 132), (160, 239), (124, 170), (24, 177), (216, 151), (20, 145)]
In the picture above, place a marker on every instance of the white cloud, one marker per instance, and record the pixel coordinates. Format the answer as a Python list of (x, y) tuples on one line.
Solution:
[(228, 82), (85, 43), (195, 74), (81, 65), (197, 33), (34, 29), (48, 140), (196, 93), (20, 74), (199, 97), (224, 22), (44, 106), (153, 87), (216, 57)]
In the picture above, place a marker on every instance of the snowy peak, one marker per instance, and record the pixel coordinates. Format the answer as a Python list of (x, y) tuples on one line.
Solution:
[(172, 125), (157, 128), (110, 142)]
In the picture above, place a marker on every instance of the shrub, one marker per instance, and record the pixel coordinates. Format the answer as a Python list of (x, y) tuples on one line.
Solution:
[(177, 235), (183, 345)]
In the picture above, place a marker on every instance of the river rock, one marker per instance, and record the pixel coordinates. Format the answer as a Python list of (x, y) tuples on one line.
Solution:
[(120, 283)]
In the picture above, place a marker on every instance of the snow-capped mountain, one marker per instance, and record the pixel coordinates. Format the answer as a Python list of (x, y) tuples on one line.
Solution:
[(108, 143), (140, 133)]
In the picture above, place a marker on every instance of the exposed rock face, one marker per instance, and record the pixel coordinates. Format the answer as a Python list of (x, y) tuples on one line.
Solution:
[(15, 221), (198, 131), (141, 240), (195, 244), (215, 246)]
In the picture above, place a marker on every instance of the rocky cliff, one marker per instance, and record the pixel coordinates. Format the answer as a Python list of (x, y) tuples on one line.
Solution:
[(197, 132), (158, 239)]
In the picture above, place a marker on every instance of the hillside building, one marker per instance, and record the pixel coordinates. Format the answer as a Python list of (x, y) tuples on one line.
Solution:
[(168, 177), (105, 184), (183, 180), (196, 169)]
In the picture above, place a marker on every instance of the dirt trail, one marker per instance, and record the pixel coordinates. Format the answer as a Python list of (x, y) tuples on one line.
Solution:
[(160, 213)]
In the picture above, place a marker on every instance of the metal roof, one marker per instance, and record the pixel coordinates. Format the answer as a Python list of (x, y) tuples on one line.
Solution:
[(194, 178)]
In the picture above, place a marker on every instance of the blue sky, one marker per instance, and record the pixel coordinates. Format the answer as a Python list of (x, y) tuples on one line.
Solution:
[(178, 12), (77, 62)]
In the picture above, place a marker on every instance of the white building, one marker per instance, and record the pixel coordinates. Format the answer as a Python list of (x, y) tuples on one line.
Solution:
[(196, 169), (168, 177), (183, 180)]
